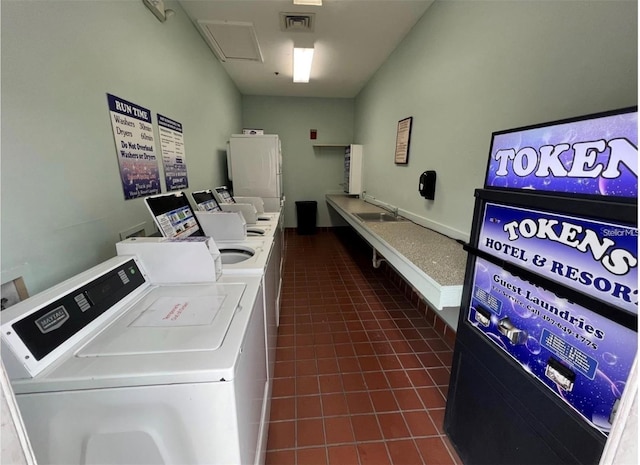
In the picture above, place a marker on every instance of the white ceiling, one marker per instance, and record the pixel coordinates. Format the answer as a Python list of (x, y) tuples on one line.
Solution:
[(352, 38)]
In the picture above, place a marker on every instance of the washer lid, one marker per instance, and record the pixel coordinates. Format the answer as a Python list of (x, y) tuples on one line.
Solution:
[(171, 319)]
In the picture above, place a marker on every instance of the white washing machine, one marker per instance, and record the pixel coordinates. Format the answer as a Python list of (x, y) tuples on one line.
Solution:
[(175, 219), (267, 266), (108, 367), (227, 201), (253, 256), (206, 202), (262, 262)]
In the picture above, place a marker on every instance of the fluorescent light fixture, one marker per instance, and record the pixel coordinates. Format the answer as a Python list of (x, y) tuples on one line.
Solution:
[(302, 58), (308, 2)]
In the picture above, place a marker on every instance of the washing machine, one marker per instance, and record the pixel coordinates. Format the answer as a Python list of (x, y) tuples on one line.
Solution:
[(247, 206), (175, 219), (266, 264), (260, 256), (253, 256), (206, 203), (110, 367)]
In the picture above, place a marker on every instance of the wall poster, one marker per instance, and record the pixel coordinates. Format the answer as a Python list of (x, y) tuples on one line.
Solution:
[(403, 140), (133, 136), (173, 156)]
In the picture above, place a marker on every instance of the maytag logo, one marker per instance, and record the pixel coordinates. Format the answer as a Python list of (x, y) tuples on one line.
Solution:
[(52, 320)]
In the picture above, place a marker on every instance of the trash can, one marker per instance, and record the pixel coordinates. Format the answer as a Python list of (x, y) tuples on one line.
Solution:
[(306, 211)]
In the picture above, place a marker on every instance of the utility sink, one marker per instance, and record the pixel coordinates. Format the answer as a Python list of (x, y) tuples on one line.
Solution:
[(377, 216)]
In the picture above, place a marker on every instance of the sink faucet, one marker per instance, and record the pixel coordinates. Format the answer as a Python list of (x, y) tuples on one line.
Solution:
[(391, 209)]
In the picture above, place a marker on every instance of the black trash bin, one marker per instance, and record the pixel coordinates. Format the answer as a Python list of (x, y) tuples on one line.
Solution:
[(306, 211)]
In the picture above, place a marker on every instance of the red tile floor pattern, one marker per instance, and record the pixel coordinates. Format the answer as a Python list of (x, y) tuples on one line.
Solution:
[(361, 378)]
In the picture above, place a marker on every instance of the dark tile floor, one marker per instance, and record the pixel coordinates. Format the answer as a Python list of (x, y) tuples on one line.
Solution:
[(361, 378)]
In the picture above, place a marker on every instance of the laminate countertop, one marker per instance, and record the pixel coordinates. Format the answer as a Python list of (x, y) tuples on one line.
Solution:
[(432, 262)]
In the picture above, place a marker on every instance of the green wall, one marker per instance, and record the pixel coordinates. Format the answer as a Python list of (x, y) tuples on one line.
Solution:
[(308, 172), (469, 68), (62, 201)]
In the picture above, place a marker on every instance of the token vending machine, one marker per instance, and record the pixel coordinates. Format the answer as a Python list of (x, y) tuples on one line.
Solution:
[(547, 333)]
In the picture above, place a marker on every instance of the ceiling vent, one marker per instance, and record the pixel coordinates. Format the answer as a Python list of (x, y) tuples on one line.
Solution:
[(232, 40), (297, 22)]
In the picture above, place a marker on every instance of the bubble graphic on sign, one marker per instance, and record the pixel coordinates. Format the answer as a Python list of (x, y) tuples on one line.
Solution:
[(601, 417), (481, 267), (500, 182), (618, 388), (497, 340), (620, 187), (609, 358), (521, 311), (533, 345)]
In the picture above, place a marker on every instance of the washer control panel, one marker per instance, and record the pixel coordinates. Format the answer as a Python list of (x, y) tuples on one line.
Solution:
[(47, 328)]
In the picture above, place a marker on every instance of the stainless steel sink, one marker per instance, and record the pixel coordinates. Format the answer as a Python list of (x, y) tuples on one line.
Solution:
[(377, 216)]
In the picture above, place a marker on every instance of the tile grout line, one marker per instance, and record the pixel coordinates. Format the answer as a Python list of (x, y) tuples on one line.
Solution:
[(391, 300)]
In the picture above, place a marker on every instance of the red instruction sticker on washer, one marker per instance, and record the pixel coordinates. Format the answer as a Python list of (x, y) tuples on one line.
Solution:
[(181, 311)]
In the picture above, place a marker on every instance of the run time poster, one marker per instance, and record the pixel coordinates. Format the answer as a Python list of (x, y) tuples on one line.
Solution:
[(135, 147)]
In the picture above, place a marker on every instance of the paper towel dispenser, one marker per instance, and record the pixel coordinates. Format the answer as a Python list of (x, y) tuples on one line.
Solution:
[(427, 185)]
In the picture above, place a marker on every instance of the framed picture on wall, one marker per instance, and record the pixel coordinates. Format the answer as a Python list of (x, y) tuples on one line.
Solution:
[(403, 139)]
